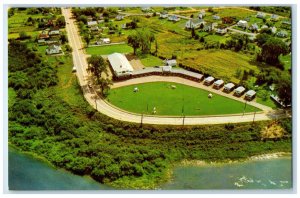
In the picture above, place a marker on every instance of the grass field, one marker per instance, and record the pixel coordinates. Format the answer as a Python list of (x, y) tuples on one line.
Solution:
[(170, 101), (150, 61), (105, 50)]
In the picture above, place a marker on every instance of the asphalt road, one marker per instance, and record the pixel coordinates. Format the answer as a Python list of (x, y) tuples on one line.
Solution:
[(79, 60)]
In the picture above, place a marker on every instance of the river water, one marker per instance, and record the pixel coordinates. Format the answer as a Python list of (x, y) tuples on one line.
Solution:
[(27, 173)]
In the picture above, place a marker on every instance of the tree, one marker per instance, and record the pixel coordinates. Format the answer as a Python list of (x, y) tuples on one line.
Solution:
[(87, 39), (133, 42), (23, 35), (63, 38), (97, 65), (284, 89), (272, 49), (105, 85), (61, 22), (193, 33), (261, 39)]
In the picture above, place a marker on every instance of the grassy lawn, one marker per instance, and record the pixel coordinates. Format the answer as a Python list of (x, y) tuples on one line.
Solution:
[(269, 102), (150, 61), (11, 97), (215, 38), (287, 61), (104, 50), (170, 101)]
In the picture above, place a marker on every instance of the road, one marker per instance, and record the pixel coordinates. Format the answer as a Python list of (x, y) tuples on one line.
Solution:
[(79, 60), (241, 32)]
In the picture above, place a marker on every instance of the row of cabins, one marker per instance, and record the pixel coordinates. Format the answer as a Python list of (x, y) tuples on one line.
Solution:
[(229, 87), (122, 70)]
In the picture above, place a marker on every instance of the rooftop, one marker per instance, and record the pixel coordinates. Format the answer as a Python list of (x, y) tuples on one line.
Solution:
[(119, 64)]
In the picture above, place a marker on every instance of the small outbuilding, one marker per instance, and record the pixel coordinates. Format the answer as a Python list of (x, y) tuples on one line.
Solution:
[(218, 84), (239, 91), (209, 80), (250, 95), (228, 87), (163, 15), (173, 18), (171, 62), (92, 23), (261, 15), (242, 23)]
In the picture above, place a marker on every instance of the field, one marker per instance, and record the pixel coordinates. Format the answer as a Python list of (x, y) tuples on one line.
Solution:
[(104, 50), (150, 61), (181, 100)]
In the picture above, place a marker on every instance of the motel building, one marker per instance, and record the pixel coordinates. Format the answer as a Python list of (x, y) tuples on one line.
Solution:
[(120, 65)]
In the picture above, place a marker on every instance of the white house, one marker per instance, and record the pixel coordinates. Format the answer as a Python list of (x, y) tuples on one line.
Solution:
[(163, 14), (282, 34), (274, 17), (171, 62), (105, 40), (221, 30), (264, 26), (194, 23), (208, 27), (119, 17), (173, 18), (242, 23), (260, 15), (216, 17), (273, 29), (146, 9), (54, 31), (201, 15), (95, 28), (92, 23), (53, 49), (253, 27), (120, 64)]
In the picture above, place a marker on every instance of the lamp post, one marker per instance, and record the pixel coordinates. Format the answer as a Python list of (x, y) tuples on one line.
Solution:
[(253, 117), (245, 107)]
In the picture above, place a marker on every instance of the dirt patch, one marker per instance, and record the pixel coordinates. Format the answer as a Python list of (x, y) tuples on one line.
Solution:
[(135, 62), (273, 131)]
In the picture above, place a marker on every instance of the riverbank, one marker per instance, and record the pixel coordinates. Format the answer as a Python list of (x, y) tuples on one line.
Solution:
[(228, 161)]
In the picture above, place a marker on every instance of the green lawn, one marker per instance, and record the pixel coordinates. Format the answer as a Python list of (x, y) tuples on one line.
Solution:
[(170, 101), (150, 61), (287, 61), (104, 50), (11, 97)]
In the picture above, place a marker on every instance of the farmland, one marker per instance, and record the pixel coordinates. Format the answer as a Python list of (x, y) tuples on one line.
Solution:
[(105, 50)]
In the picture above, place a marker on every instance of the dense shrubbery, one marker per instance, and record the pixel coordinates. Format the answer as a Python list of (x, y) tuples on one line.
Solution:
[(84, 141)]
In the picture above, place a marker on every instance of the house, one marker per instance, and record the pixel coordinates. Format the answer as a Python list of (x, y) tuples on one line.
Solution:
[(282, 34), (208, 27), (54, 31), (201, 15), (42, 37), (273, 29), (260, 15), (163, 15), (53, 49), (228, 87), (119, 17), (221, 30), (218, 84), (274, 17), (250, 95), (171, 62), (95, 28), (216, 17), (92, 23), (209, 80), (173, 18), (286, 22), (239, 91), (124, 26), (120, 65), (264, 26), (105, 40), (146, 9), (253, 27), (194, 23), (242, 23)]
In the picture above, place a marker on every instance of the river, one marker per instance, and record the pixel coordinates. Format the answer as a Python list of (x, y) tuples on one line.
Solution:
[(28, 173)]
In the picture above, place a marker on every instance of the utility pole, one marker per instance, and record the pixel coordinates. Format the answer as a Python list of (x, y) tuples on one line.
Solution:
[(245, 107), (253, 117), (183, 120), (96, 103), (142, 119)]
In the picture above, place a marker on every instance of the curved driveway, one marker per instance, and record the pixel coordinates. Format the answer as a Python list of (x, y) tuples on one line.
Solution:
[(79, 60)]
